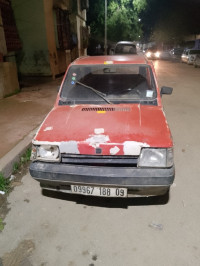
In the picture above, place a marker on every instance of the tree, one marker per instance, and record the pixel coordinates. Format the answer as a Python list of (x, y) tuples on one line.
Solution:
[(122, 21)]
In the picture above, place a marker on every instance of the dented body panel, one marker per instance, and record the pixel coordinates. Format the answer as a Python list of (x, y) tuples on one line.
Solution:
[(83, 131), (102, 144)]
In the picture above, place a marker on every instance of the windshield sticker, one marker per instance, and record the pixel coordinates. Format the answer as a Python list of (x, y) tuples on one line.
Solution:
[(72, 82), (74, 74), (149, 93), (73, 78)]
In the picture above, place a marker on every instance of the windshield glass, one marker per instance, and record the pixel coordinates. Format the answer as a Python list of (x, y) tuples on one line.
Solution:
[(97, 84), (125, 49)]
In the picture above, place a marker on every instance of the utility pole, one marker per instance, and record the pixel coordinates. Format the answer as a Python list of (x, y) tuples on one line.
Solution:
[(105, 41)]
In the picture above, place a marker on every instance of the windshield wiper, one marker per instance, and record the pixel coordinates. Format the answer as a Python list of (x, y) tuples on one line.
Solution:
[(102, 95)]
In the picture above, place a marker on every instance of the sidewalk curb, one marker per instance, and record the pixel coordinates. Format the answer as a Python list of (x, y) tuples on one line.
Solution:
[(13, 156)]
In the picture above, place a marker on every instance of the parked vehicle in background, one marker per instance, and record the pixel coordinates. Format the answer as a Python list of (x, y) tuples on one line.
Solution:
[(176, 52), (153, 53), (189, 55), (165, 55), (125, 47), (197, 61), (107, 134)]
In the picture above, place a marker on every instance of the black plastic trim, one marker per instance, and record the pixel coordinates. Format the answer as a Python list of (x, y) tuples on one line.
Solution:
[(99, 175)]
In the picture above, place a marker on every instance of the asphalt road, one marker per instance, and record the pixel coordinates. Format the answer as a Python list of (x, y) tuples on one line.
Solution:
[(72, 231)]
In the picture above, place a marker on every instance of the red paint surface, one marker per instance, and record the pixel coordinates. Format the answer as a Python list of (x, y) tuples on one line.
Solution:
[(143, 123)]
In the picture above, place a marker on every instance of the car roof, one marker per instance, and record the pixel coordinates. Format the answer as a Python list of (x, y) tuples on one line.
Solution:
[(125, 42), (111, 59)]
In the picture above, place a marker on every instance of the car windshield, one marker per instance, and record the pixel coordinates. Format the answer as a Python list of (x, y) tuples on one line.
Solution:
[(125, 49), (103, 84)]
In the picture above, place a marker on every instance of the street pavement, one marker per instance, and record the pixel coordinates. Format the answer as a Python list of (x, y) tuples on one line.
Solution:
[(21, 115), (66, 230)]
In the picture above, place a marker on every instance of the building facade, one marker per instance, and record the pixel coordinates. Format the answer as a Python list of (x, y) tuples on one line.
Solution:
[(46, 36)]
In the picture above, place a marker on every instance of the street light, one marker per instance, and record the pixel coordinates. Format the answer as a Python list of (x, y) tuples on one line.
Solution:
[(105, 40)]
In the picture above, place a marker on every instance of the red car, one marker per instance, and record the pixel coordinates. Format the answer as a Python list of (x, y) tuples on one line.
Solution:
[(107, 134)]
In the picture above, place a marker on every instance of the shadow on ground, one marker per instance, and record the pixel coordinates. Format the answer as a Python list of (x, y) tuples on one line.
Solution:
[(108, 202)]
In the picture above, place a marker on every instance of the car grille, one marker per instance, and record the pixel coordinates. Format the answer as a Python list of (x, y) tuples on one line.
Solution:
[(95, 160)]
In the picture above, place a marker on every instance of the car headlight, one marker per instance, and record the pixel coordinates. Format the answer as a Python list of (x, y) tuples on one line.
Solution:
[(156, 157), (45, 153), (157, 54), (148, 54)]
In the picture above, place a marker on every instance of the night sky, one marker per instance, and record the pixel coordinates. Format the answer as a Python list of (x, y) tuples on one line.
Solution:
[(162, 19)]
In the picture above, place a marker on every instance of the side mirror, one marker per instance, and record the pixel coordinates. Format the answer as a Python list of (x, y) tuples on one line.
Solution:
[(166, 90)]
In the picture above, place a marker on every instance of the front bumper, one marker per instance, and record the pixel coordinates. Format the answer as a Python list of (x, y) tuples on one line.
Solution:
[(138, 181)]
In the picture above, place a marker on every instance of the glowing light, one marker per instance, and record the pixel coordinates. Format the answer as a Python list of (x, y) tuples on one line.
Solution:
[(157, 54), (148, 54)]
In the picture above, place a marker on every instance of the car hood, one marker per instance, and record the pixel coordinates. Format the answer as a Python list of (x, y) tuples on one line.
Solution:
[(105, 130)]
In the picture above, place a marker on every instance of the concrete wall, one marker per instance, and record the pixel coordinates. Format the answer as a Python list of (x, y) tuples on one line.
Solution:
[(8, 79), (30, 21), (81, 22), (35, 22), (3, 48), (78, 19), (50, 36)]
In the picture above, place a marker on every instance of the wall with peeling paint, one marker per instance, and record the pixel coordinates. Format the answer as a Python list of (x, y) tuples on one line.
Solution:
[(33, 59), (8, 79), (36, 24)]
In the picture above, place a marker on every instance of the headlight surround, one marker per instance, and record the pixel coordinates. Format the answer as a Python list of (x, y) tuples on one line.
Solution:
[(45, 153), (150, 157)]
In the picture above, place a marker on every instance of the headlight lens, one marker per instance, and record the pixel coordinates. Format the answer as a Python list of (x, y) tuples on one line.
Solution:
[(156, 157), (46, 153), (148, 54), (157, 54)]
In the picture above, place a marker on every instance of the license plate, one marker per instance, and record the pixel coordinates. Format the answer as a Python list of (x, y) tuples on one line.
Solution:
[(99, 191)]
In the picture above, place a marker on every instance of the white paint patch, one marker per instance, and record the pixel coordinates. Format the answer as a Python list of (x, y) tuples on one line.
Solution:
[(114, 150), (95, 140), (99, 130), (69, 147), (133, 147), (37, 142), (48, 129), (64, 146)]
